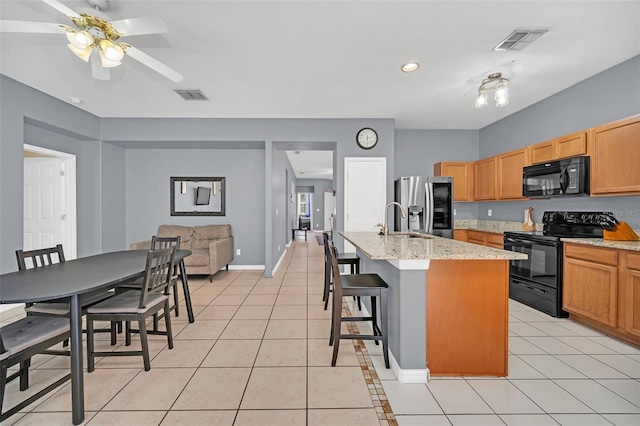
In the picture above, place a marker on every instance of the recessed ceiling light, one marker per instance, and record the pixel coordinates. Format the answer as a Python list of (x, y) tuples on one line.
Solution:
[(75, 101), (410, 67)]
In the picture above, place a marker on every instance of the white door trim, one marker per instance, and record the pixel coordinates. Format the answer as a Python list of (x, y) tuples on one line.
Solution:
[(69, 188)]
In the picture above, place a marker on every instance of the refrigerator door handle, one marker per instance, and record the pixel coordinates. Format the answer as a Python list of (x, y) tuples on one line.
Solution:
[(428, 226)]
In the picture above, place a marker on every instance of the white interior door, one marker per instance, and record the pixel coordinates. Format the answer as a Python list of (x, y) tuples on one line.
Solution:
[(365, 194), (44, 224)]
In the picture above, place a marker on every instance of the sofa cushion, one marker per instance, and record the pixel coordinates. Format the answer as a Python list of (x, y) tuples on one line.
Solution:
[(197, 258), (202, 235), (185, 233)]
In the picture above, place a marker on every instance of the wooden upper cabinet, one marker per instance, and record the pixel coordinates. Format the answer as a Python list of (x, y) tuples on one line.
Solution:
[(462, 178), (555, 149), (615, 155), (485, 179), (571, 145), (510, 166), (542, 152)]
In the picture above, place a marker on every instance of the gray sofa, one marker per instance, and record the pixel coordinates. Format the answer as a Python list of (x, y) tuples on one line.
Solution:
[(211, 246)]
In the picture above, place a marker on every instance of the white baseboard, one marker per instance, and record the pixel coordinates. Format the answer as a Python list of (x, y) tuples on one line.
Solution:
[(251, 267), (404, 375), (275, 268)]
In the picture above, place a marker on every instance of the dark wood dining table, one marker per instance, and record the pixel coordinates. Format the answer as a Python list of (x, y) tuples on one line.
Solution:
[(73, 280)]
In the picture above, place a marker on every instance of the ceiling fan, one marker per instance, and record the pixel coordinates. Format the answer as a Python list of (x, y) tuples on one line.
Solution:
[(95, 39)]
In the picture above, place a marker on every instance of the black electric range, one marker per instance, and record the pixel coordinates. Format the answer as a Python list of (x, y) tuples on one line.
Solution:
[(537, 281)]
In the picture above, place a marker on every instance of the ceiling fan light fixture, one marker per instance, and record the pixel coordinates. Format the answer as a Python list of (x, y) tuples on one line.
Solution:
[(83, 54), (113, 52), (80, 39)]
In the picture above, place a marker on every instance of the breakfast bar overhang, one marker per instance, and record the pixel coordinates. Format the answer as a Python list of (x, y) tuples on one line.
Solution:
[(448, 303)]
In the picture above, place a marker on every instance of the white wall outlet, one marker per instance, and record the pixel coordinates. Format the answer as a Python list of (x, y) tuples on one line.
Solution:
[(317, 226), (276, 212), (454, 212), (278, 248), (489, 212), (317, 210), (238, 252)]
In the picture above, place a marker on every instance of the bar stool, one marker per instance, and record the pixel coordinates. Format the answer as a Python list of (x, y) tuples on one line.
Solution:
[(350, 259), (358, 285)]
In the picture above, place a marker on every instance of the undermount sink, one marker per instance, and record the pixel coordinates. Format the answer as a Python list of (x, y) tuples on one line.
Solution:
[(406, 235)]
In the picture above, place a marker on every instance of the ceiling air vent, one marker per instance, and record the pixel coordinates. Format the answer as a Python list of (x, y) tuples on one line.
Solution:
[(192, 95), (519, 39)]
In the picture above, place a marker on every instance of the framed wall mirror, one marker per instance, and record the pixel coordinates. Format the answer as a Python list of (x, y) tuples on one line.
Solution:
[(197, 196)]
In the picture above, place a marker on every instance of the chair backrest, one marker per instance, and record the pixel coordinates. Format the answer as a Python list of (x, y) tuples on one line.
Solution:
[(160, 243), (158, 273), (337, 280), (327, 255), (38, 258), (304, 223)]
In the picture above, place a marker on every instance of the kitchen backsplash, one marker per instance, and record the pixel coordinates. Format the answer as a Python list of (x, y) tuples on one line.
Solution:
[(491, 225)]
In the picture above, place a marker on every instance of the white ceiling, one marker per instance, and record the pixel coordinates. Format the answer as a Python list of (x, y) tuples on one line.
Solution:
[(312, 164), (330, 59)]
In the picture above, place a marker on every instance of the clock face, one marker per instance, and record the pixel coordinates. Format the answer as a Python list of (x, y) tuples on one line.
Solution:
[(367, 138)]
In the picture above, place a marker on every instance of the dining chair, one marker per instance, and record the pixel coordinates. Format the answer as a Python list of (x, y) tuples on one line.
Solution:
[(360, 285), (137, 305), (45, 257), (19, 341), (351, 259), (158, 243), (55, 308)]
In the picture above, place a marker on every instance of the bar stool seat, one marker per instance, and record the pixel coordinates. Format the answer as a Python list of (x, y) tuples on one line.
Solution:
[(358, 285)]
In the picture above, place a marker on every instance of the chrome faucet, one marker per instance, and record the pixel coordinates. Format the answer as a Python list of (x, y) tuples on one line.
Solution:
[(386, 216)]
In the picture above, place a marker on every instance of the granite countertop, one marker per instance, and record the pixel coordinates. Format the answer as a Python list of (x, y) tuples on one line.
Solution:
[(399, 246), (501, 226), (601, 242)]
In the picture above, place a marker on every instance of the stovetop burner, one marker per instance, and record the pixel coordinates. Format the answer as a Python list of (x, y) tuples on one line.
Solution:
[(572, 224)]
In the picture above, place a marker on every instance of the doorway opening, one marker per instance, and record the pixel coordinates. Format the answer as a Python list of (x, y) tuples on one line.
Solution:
[(49, 200)]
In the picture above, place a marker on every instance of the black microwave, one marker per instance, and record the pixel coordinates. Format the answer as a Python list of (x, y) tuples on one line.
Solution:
[(566, 177)]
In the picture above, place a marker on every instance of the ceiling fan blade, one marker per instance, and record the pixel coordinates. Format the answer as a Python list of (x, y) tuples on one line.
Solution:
[(139, 26), (154, 64), (97, 70), (61, 8), (30, 27)]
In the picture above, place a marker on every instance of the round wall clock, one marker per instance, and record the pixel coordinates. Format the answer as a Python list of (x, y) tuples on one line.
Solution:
[(367, 138)]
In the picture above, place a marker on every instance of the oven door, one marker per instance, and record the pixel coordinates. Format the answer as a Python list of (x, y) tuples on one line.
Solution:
[(541, 266)]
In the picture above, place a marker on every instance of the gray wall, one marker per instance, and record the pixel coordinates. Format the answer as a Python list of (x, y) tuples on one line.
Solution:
[(418, 150), (606, 97), (282, 208), (147, 193), (114, 186), (25, 113), (277, 134)]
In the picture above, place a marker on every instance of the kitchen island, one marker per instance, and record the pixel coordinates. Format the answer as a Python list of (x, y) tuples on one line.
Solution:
[(448, 303)]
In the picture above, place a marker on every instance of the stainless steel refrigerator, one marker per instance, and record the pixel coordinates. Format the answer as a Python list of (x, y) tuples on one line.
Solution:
[(428, 203)]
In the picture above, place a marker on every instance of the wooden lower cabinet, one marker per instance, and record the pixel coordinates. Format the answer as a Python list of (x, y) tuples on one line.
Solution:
[(467, 317), (492, 239), (460, 235), (489, 239), (632, 293), (601, 288)]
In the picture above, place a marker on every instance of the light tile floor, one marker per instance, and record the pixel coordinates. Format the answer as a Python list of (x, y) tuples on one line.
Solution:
[(258, 355)]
